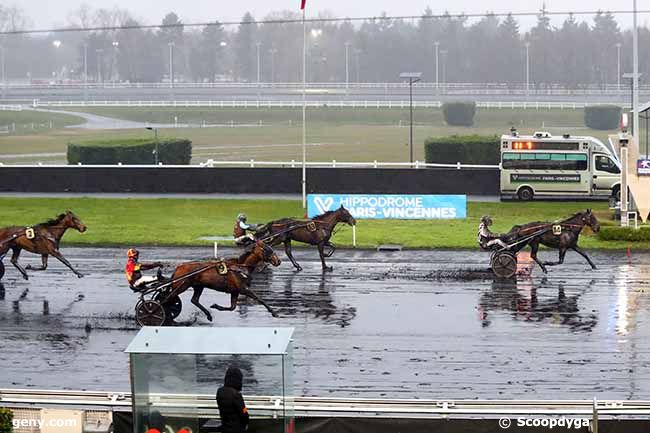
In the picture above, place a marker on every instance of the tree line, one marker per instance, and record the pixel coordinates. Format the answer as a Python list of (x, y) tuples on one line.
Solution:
[(446, 49)]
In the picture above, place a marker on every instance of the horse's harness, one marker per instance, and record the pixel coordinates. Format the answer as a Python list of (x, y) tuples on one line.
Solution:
[(30, 234), (311, 226), (556, 228)]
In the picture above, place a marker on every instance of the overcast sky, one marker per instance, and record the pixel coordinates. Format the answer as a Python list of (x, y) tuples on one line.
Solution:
[(54, 13)]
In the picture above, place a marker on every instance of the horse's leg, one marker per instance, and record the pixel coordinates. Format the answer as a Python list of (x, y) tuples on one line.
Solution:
[(195, 300), (287, 249), (233, 303), (321, 248), (248, 292), (534, 246), (63, 260), (43, 266), (578, 250), (559, 262), (14, 261)]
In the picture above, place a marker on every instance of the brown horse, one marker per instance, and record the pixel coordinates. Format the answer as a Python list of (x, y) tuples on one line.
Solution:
[(235, 281), (564, 239), (40, 239), (316, 231)]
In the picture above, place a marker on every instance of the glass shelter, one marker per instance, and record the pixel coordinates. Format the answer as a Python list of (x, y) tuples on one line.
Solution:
[(175, 373)]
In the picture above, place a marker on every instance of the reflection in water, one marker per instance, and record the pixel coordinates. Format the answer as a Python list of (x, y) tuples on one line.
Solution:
[(522, 300), (633, 285), (318, 304), (2, 292)]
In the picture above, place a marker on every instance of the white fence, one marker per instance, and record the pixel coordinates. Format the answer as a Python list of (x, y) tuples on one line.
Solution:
[(211, 163), (11, 108), (537, 105)]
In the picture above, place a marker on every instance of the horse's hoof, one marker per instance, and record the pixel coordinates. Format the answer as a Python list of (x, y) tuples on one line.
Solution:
[(328, 269), (298, 269), (593, 268), (25, 277), (275, 314), (28, 267), (209, 317), (80, 275)]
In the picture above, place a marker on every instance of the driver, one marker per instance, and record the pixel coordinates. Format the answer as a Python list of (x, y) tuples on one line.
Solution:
[(241, 227), (486, 238), (134, 270)]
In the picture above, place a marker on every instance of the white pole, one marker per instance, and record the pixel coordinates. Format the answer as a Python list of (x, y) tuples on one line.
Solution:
[(618, 67), (304, 109), (527, 69), (171, 64), (635, 79), (437, 44), (347, 69), (258, 63), (354, 236)]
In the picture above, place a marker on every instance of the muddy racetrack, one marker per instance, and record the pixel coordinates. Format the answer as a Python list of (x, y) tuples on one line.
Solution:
[(398, 325)]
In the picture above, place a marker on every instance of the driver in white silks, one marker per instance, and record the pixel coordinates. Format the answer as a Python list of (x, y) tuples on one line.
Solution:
[(486, 239)]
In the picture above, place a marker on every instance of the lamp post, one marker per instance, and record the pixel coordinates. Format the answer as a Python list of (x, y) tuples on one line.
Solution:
[(527, 44), (57, 44), (437, 45), (413, 77), (443, 53), (4, 77), (258, 44), (99, 52), (222, 45), (347, 65), (171, 64), (85, 71), (273, 52), (116, 45), (155, 135), (618, 66), (357, 52), (634, 98)]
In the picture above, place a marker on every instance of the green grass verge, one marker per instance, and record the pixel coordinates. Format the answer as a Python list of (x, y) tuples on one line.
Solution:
[(138, 222), (29, 122)]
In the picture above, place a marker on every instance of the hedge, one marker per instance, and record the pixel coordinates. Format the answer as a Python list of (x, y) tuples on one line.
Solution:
[(603, 117), (468, 149), (6, 418), (176, 151), (624, 234), (459, 113)]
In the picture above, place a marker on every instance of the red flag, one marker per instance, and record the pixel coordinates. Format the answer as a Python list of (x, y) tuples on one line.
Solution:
[(302, 4)]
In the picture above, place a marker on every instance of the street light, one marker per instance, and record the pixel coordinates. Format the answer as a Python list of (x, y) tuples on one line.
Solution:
[(273, 52), (413, 77), (155, 134), (443, 53), (347, 67), (85, 71), (171, 64), (222, 45), (437, 45), (56, 43), (527, 44), (258, 44), (634, 84), (618, 66), (99, 52), (116, 45)]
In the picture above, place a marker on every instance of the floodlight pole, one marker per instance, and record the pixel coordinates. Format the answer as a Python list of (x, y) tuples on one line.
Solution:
[(413, 77), (635, 77)]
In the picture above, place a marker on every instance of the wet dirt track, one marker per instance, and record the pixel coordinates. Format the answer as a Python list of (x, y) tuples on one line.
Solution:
[(399, 324)]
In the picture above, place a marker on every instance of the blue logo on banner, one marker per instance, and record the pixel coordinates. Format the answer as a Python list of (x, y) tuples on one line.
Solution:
[(390, 206)]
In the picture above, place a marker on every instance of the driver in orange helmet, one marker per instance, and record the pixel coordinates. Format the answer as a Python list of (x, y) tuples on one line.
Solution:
[(134, 270)]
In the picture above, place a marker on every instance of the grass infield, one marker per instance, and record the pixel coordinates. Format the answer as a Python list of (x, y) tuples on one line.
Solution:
[(141, 222)]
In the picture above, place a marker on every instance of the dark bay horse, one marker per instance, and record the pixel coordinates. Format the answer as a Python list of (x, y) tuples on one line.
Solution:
[(40, 239), (236, 281), (563, 239), (316, 231)]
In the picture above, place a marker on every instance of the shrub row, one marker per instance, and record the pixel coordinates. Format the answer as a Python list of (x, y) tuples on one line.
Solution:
[(6, 418), (177, 151), (459, 113), (468, 149), (624, 234), (602, 117)]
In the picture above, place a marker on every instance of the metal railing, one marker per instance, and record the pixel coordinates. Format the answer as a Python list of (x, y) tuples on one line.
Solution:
[(320, 406), (211, 163), (402, 104)]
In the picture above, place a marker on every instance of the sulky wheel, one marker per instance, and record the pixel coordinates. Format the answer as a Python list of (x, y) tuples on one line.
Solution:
[(149, 313), (504, 264), (173, 306), (2, 270)]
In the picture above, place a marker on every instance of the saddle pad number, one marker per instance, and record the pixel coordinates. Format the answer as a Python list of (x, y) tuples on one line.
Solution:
[(311, 227), (222, 269), (557, 230), (29, 233)]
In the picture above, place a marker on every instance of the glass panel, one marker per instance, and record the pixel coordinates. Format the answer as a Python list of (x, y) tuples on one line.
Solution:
[(508, 156)]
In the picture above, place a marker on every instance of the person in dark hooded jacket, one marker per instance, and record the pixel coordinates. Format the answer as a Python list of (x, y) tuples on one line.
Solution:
[(232, 409)]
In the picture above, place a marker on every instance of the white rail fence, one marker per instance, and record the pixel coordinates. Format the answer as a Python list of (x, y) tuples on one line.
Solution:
[(537, 105), (321, 406), (211, 163)]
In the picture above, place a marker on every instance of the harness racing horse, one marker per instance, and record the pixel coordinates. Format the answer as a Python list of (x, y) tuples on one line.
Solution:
[(40, 239), (233, 278), (563, 236), (316, 231)]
